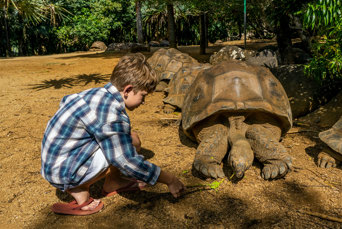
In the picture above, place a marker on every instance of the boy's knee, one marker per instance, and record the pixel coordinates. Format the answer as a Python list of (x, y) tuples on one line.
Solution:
[(136, 141)]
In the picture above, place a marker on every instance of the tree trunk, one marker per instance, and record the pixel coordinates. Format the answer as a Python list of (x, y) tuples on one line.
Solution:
[(206, 23), (202, 34), (22, 42), (8, 47), (304, 36), (139, 22), (284, 42), (171, 26)]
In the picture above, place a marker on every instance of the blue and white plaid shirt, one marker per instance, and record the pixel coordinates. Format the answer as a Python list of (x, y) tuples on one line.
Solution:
[(84, 122)]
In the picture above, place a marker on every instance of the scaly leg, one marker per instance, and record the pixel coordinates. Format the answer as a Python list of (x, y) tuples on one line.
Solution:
[(241, 155), (212, 148), (264, 139)]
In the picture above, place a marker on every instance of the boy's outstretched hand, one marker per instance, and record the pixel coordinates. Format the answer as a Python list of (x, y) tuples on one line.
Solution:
[(176, 187)]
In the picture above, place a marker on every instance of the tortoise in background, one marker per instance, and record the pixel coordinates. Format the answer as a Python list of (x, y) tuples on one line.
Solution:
[(241, 108), (332, 152), (179, 85), (98, 46), (167, 62)]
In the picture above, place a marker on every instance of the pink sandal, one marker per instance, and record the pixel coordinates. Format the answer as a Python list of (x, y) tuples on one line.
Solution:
[(73, 208)]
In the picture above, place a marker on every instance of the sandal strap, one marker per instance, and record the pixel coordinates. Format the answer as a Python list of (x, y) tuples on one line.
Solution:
[(78, 207)]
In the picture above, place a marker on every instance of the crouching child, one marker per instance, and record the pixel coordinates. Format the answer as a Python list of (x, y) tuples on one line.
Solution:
[(90, 138)]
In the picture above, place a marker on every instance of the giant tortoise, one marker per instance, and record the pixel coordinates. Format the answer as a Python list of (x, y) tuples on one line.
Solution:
[(241, 108), (332, 152), (166, 62), (179, 85)]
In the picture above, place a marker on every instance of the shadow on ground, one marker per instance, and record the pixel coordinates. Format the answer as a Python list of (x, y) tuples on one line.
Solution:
[(155, 209), (105, 55), (79, 80)]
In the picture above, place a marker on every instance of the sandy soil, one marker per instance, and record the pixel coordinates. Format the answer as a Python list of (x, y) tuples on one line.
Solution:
[(30, 91)]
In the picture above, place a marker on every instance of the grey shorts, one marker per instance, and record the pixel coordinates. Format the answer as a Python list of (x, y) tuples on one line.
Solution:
[(97, 166)]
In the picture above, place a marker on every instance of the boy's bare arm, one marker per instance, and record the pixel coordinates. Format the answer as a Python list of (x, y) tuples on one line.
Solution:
[(174, 184)]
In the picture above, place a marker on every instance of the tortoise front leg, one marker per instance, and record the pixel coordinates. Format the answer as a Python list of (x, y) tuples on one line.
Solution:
[(212, 148), (241, 155), (264, 139)]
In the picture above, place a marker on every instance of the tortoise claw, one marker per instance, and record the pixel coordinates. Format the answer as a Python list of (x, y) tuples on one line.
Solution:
[(209, 169), (325, 160), (275, 169)]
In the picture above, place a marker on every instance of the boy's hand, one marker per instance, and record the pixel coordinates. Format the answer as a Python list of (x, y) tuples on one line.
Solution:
[(176, 187)]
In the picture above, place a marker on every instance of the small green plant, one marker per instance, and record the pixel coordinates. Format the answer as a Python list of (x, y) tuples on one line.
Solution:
[(185, 171), (215, 184)]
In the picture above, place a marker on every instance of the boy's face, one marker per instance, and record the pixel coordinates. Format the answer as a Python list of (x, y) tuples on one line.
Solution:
[(133, 99)]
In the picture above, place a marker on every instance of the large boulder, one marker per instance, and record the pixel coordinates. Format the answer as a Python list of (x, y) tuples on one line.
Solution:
[(295, 55), (137, 47), (127, 47), (305, 94), (230, 52), (154, 44), (118, 47), (326, 115), (164, 43), (266, 57)]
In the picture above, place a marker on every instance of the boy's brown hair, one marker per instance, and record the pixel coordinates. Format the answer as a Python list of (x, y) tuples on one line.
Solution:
[(135, 70)]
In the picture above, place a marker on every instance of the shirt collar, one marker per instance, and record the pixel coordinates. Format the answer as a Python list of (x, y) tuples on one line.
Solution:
[(114, 91)]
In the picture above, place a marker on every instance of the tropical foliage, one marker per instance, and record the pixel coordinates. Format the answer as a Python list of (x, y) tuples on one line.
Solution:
[(324, 17), (33, 27), (105, 20)]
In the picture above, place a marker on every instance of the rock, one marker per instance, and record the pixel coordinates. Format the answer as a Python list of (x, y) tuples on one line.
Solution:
[(295, 56), (218, 42), (118, 47), (164, 43), (154, 44), (326, 115), (266, 57), (230, 52), (305, 94), (128, 47), (137, 47)]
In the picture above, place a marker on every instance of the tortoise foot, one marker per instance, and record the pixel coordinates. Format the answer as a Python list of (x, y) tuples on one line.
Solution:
[(161, 86), (240, 157), (324, 160), (211, 150), (168, 109), (208, 167), (276, 168)]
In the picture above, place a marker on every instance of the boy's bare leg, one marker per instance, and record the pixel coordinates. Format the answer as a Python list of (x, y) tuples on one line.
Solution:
[(114, 180), (81, 195)]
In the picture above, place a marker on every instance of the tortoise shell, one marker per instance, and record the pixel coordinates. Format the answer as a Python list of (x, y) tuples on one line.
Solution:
[(166, 62), (333, 136), (235, 87), (179, 85)]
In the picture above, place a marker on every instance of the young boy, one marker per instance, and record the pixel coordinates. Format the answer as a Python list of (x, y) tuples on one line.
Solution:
[(90, 138)]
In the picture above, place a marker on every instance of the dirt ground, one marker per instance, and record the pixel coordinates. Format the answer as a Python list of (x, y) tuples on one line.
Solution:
[(30, 91)]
